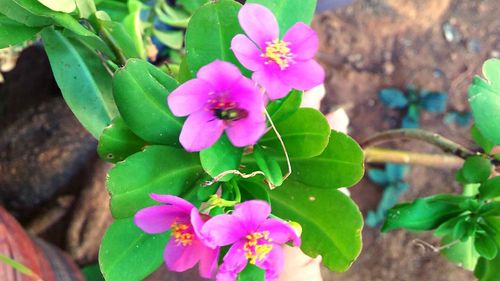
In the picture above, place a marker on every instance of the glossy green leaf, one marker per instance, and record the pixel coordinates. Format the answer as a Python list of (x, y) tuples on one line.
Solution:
[(65, 6), (171, 16), (192, 5), (491, 209), (484, 98), (170, 38), (12, 32), (129, 254), (481, 140), (283, 108), (84, 83), (289, 12), (119, 34), (485, 246), (16, 12), (133, 25), (92, 273), (254, 189), (116, 9), (86, 8), (305, 134), (268, 164), (476, 169), (424, 213), (209, 34), (331, 221), (140, 90), (490, 189), (221, 157), (488, 270), (251, 273), (117, 142), (157, 169), (463, 254)]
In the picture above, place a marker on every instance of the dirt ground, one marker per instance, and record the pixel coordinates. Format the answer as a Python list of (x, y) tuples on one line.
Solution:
[(366, 46), (374, 44)]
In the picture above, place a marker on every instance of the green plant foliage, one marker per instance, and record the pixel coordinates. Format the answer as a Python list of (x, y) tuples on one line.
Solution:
[(65, 6), (289, 12), (129, 254), (330, 220), (476, 169), (12, 32), (481, 140), (192, 5), (484, 98), (133, 25), (14, 11), (140, 90), (116, 9), (119, 34), (281, 109), (171, 38), (117, 142), (305, 134), (268, 164), (490, 189), (485, 246), (222, 156), (251, 273), (84, 83), (157, 169), (92, 273), (209, 34), (424, 213), (487, 270), (463, 254)]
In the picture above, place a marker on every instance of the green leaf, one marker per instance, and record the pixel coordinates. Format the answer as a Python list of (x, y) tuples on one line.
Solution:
[(485, 246), (157, 169), (14, 11), (86, 8), (476, 169), (268, 164), (221, 157), (84, 83), (488, 270), (331, 221), (171, 16), (117, 32), (117, 142), (92, 273), (305, 134), (192, 5), (484, 98), (116, 9), (209, 34), (481, 140), (12, 32), (133, 25), (491, 209), (171, 38), (340, 165), (18, 266), (129, 254), (140, 91), (65, 6), (424, 213), (463, 254), (289, 12), (253, 189), (490, 189), (283, 108), (251, 273)]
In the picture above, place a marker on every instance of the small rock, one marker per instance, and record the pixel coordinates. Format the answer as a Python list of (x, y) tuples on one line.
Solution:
[(474, 46), (451, 33)]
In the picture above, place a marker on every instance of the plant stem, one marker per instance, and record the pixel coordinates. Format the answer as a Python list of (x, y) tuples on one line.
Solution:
[(382, 155), (439, 141), (106, 36)]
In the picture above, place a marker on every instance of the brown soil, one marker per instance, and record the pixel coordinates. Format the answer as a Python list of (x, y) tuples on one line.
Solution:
[(378, 43)]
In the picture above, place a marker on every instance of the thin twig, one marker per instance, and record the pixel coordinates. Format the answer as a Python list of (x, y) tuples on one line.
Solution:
[(383, 155), (282, 145), (232, 172), (439, 141), (434, 248)]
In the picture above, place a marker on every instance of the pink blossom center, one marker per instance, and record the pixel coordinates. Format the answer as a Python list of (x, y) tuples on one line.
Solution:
[(257, 246), (182, 233), (226, 110), (278, 52)]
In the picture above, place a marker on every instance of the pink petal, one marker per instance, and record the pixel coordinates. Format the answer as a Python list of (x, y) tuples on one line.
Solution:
[(269, 79), (201, 130), (246, 131), (208, 261), (280, 232), (220, 74), (197, 223), (273, 264), (259, 24), (157, 219), (174, 201), (180, 258), (303, 41), (304, 75), (247, 53), (248, 96), (252, 213), (189, 97), (234, 262), (222, 230)]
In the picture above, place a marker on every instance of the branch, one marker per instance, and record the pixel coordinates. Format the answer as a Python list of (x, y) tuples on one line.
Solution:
[(382, 155)]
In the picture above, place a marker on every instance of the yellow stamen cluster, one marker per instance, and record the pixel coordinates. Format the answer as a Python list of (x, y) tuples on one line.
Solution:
[(278, 51), (182, 234), (257, 246)]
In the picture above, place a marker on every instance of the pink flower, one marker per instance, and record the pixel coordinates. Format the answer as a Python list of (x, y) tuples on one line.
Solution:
[(219, 99), (278, 64), (185, 248), (256, 239)]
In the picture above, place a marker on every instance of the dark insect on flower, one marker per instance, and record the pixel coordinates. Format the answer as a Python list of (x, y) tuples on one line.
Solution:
[(231, 114)]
